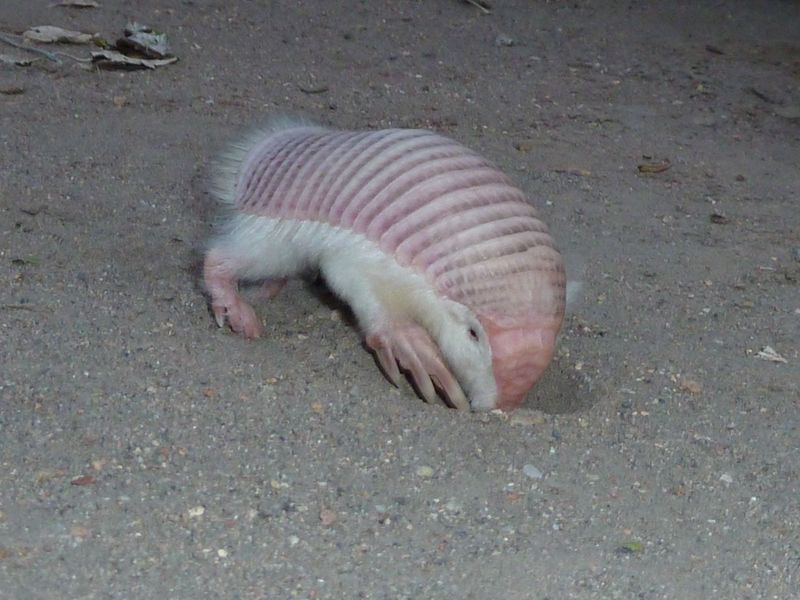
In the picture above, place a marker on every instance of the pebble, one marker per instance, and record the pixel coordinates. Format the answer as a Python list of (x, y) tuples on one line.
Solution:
[(530, 471), (691, 386), (425, 472), (327, 517), (503, 39), (453, 506), (80, 532), (796, 253), (726, 478)]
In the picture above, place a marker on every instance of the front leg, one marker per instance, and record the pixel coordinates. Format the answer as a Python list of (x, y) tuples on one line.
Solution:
[(382, 300), (409, 346)]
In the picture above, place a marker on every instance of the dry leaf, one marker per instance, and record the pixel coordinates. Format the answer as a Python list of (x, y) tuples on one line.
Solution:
[(575, 171), (655, 167), (769, 353), (83, 480), (143, 40), (47, 34)]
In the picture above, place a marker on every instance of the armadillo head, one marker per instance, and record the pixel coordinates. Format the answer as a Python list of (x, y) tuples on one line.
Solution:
[(499, 350), (497, 357), (522, 348)]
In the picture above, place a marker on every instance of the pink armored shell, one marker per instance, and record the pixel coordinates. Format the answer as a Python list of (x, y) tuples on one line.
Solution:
[(428, 201)]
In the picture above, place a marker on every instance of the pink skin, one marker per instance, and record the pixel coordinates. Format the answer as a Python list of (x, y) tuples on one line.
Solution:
[(226, 303), (521, 352)]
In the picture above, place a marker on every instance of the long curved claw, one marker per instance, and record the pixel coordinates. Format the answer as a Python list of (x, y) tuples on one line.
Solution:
[(430, 364), (219, 314), (240, 317), (387, 362), (410, 346), (409, 360), (445, 381), (226, 303)]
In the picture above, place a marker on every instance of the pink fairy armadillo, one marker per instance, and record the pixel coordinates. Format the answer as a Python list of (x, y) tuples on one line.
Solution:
[(448, 269)]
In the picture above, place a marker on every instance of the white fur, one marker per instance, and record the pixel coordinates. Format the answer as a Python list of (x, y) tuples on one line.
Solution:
[(378, 289)]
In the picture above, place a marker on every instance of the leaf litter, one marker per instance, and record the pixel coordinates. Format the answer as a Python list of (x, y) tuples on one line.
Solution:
[(140, 47), (48, 34), (770, 354)]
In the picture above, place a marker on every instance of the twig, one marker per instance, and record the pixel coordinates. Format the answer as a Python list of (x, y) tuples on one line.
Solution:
[(17, 307), (45, 53), (319, 89), (761, 95), (480, 4), (75, 58)]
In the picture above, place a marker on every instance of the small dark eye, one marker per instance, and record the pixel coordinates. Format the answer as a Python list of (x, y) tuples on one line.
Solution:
[(473, 333)]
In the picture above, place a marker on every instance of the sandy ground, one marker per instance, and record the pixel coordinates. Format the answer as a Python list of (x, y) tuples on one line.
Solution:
[(145, 453)]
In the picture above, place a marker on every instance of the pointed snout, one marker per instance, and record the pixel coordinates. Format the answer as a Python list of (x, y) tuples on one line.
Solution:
[(519, 357)]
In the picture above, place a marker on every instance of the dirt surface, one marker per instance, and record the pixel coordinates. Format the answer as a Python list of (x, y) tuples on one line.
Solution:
[(145, 453)]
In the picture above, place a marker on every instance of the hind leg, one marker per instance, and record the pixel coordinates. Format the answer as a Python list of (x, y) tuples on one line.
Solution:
[(222, 282), (271, 288)]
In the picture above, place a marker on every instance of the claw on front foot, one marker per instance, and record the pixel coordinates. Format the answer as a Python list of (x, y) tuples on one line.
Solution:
[(410, 347), (387, 362)]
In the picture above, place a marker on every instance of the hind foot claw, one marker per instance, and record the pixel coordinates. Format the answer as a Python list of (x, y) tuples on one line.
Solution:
[(226, 303), (239, 315)]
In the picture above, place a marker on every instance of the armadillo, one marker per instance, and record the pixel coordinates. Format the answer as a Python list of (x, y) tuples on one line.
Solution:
[(449, 271)]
